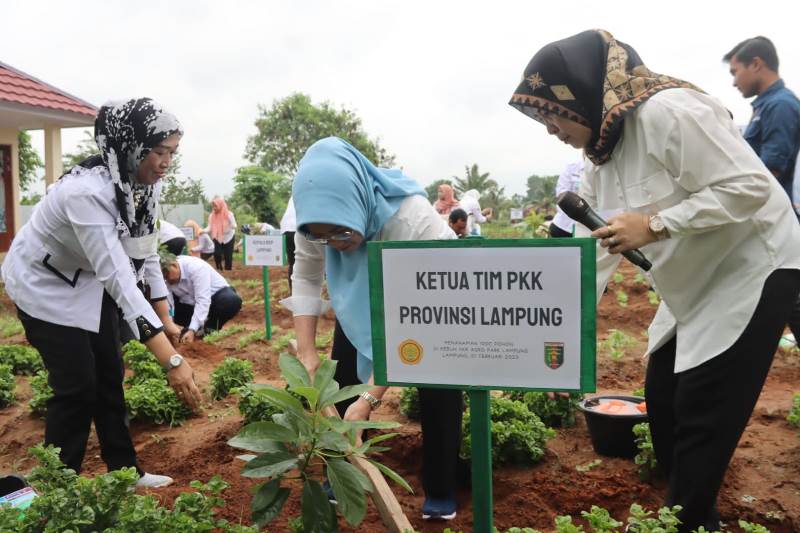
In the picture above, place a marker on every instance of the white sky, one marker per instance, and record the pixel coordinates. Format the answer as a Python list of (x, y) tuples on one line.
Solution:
[(430, 78)]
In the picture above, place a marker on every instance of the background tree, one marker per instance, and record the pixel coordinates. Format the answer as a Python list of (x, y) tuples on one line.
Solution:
[(29, 161), (294, 123), (432, 190), (473, 179), (181, 190), (87, 147), (542, 190), (495, 198), (260, 194)]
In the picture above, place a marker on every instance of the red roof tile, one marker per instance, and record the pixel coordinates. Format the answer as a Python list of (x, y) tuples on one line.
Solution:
[(20, 88)]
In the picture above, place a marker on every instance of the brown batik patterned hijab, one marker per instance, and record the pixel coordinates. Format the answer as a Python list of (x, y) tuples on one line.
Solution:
[(592, 79)]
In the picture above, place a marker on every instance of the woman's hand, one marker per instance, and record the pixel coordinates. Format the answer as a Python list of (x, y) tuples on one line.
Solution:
[(181, 379), (173, 332), (187, 337), (358, 410), (310, 359), (626, 231)]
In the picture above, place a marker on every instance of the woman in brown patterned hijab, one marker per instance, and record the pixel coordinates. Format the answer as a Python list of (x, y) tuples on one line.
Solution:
[(593, 81)]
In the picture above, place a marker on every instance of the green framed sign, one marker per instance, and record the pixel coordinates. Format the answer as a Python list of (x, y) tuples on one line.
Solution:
[(484, 314)]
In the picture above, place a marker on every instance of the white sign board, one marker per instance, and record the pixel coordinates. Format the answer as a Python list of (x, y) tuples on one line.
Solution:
[(492, 317), (188, 232), (516, 213), (263, 250)]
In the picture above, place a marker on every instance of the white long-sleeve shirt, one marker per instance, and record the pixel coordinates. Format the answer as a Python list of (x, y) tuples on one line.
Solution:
[(731, 224), (415, 220), (70, 252), (475, 218), (204, 244), (568, 180), (198, 283)]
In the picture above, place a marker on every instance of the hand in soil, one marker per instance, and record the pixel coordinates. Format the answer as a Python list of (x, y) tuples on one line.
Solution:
[(173, 332), (181, 379), (187, 337)]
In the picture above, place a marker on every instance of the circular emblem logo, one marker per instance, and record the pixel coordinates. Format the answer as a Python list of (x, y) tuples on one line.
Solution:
[(410, 352)]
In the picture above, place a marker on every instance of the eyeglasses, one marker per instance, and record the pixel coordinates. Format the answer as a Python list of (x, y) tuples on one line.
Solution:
[(344, 235)]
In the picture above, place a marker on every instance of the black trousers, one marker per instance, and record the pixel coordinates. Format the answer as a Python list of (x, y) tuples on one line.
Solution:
[(86, 373), (440, 409), (175, 246), (697, 416), (224, 250), (289, 240), (225, 304)]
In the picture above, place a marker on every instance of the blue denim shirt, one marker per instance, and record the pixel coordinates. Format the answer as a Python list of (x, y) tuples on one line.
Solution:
[(774, 131)]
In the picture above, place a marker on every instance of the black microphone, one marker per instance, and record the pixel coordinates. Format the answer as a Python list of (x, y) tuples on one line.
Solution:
[(577, 209)]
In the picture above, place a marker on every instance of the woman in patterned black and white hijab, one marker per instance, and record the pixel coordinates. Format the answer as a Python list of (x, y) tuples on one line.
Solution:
[(88, 250)]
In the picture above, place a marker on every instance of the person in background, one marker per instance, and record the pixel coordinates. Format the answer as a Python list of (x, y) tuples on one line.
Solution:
[(222, 228), (288, 228), (719, 230), (457, 221), (202, 244), (171, 237), (202, 299), (568, 180), (342, 202), (87, 257), (774, 128), (446, 200), (476, 216)]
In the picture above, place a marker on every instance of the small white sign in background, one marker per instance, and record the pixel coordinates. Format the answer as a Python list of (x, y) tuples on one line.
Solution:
[(263, 250), (499, 317)]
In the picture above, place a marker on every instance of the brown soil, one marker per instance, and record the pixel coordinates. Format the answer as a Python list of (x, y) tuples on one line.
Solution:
[(762, 485)]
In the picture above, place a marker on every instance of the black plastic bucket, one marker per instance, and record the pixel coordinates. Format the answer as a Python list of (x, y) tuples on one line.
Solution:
[(612, 434), (12, 483)]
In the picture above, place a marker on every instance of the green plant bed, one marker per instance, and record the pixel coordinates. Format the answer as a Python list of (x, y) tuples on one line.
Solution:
[(23, 360), (555, 412), (41, 393), (107, 502), (230, 374), (216, 336), (518, 435), (7, 386), (154, 400), (409, 403), (10, 326)]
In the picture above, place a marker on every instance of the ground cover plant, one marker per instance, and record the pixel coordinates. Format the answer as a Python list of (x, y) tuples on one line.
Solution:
[(7, 386), (41, 393), (518, 435), (557, 411), (23, 360), (231, 374)]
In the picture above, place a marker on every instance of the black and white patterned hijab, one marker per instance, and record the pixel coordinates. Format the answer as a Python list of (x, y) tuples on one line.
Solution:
[(125, 132)]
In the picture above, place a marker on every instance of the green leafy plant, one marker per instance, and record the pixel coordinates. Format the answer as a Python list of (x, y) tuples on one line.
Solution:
[(324, 340), (216, 336), (588, 466), (281, 343), (616, 343), (142, 363), (639, 279), (23, 360), (646, 457), (622, 298), (107, 502), (642, 520), (618, 277), (639, 392), (558, 411), (254, 406), (253, 336), (41, 393), (153, 399), (306, 444), (10, 326), (7, 386), (232, 373), (600, 520), (518, 435), (653, 298), (409, 403), (794, 413)]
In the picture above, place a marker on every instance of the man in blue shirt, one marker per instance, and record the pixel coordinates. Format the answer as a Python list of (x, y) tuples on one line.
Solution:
[(774, 129)]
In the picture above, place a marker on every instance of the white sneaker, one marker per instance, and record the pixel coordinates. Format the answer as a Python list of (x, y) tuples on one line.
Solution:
[(154, 481)]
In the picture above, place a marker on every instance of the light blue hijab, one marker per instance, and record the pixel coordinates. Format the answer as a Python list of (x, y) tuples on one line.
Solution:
[(336, 184)]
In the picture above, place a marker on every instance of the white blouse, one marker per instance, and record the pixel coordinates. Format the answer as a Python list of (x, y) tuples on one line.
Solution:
[(731, 223), (415, 220), (69, 252), (198, 283)]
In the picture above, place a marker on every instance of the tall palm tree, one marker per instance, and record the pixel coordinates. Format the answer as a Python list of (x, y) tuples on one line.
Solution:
[(473, 180)]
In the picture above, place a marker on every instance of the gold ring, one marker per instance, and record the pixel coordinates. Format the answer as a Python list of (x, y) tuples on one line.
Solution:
[(612, 241)]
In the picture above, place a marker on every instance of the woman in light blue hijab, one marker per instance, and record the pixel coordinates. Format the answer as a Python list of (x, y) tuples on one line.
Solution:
[(342, 201)]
